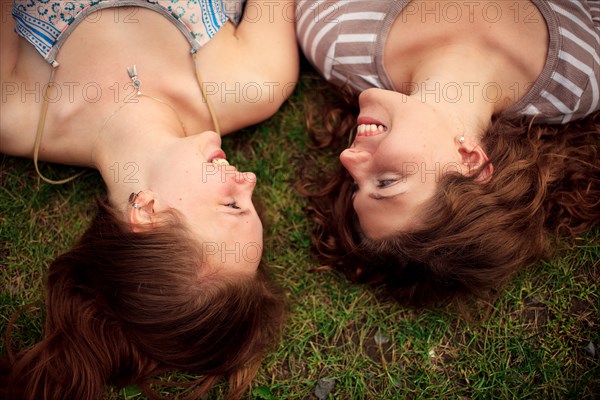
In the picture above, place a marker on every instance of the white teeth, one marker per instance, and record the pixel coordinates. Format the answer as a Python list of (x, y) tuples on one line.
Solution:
[(219, 161), (369, 129)]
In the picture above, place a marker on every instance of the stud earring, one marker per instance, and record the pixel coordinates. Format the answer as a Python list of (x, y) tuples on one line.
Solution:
[(461, 139), (132, 198)]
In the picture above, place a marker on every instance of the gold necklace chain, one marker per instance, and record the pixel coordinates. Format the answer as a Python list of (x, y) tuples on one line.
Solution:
[(137, 85)]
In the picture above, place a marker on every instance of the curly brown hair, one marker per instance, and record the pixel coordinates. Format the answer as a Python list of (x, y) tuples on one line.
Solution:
[(123, 307), (546, 183)]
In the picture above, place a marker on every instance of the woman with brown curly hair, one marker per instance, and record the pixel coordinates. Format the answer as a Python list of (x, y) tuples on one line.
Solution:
[(168, 276), (477, 135)]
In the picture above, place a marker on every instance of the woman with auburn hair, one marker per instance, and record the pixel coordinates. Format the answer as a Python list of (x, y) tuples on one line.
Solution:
[(168, 276), (469, 150)]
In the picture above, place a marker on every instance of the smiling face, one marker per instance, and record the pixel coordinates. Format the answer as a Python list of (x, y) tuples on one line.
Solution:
[(402, 149), (215, 199)]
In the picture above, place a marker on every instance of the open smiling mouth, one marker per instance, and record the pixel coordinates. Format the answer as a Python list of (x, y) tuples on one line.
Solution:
[(370, 129), (219, 161)]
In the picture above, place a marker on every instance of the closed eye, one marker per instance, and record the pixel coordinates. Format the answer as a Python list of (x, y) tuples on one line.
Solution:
[(233, 205), (382, 183)]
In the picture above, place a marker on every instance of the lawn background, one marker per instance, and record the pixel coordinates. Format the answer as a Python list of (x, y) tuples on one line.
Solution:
[(534, 345)]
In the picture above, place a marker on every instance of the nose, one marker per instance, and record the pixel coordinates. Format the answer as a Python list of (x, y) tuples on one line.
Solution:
[(353, 157), (354, 160), (246, 178), (244, 185), (244, 181)]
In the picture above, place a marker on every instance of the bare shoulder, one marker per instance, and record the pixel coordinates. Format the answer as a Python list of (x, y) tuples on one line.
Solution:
[(9, 103), (9, 40), (21, 72), (18, 114)]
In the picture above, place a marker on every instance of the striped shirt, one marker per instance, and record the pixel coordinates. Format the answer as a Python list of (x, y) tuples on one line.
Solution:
[(345, 39)]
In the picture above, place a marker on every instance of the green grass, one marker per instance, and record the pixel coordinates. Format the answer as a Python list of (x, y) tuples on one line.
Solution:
[(531, 346)]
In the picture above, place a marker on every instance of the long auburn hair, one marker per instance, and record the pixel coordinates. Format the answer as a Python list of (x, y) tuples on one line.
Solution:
[(546, 183), (123, 307)]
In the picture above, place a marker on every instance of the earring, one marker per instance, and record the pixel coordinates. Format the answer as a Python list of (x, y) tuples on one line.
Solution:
[(461, 139), (132, 198)]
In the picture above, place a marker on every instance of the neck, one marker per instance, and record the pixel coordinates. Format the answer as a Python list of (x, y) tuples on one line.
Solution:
[(461, 81), (128, 143)]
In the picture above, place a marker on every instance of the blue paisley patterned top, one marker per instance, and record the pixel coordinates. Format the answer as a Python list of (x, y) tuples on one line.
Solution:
[(47, 23)]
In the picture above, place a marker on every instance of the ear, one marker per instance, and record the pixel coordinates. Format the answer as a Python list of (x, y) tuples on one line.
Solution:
[(141, 213), (473, 157)]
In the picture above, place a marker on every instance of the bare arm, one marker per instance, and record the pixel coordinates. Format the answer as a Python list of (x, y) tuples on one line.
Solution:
[(252, 69)]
